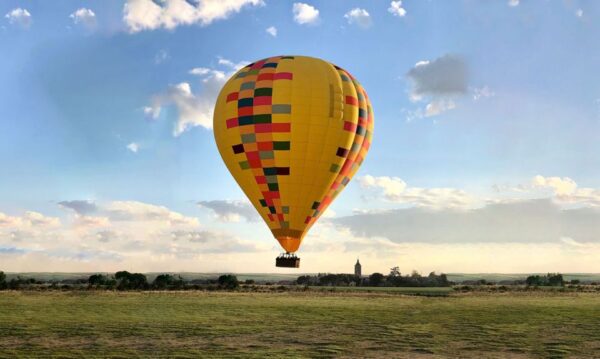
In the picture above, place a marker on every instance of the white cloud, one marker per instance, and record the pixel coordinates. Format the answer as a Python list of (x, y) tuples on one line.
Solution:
[(391, 186), (29, 220), (522, 236), (232, 65), (396, 9), (140, 211), (133, 147), (329, 213), (161, 56), (141, 15), (513, 3), (579, 13), (436, 107), (214, 241), (483, 92), (566, 191), (19, 16), (194, 109), (137, 235), (272, 30), (560, 186), (440, 81), (527, 221), (395, 190), (91, 221), (84, 16), (305, 14), (36, 219), (106, 236), (446, 75), (200, 71), (359, 17), (8, 221), (231, 211), (152, 111)]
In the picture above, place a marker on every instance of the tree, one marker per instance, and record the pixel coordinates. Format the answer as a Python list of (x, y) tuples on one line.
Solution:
[(167, 281), (228, 281), (394, 279), (303, 280), (98, 279), (3, 284), (555, 279), (376, 279), (126, 280)]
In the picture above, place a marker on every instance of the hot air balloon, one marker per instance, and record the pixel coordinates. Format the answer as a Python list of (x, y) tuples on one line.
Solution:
[(293, 131)]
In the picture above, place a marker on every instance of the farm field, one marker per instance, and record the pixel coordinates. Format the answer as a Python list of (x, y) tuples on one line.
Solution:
[(298, 324)]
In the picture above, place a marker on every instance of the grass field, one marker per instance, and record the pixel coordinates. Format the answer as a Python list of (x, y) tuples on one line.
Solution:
[(298, 324), (423, 291)]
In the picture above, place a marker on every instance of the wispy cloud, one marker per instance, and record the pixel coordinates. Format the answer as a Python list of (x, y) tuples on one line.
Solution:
[(20, 17)]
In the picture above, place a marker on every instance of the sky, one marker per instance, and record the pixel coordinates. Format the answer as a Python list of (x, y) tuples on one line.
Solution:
[(485, 155)]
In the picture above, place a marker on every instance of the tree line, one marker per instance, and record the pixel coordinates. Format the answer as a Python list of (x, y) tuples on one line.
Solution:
[(550, 279), (393, 279), (124, 280)]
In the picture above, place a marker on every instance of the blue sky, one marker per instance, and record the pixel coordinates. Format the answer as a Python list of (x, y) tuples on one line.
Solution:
[(90, 100)]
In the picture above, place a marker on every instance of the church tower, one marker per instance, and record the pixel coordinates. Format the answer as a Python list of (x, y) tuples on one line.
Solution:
[(357, 269)]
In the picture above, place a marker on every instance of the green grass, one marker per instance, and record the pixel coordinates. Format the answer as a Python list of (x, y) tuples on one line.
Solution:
[(424, 291), (298, 324)]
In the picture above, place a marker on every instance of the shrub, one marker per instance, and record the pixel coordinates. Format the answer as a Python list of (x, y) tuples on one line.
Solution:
[(167, 281), (126, 280), (98, 279), (3, 284), (228, 281)]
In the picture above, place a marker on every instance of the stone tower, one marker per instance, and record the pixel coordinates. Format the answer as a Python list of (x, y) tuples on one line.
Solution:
[(357, 269)]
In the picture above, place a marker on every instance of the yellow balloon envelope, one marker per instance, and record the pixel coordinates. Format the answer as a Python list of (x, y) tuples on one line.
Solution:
[(293, 131)]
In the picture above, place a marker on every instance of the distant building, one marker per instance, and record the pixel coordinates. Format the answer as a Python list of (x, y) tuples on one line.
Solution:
[(357, 269)]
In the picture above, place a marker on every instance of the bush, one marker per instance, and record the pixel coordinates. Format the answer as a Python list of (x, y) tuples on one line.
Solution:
[(551, 279), (376, 279), (126, 280), (98, 280), (2, 280), (228, 281), (167, 281)]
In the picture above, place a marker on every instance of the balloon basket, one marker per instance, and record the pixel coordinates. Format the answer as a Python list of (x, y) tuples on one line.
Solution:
[(287, 260)]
